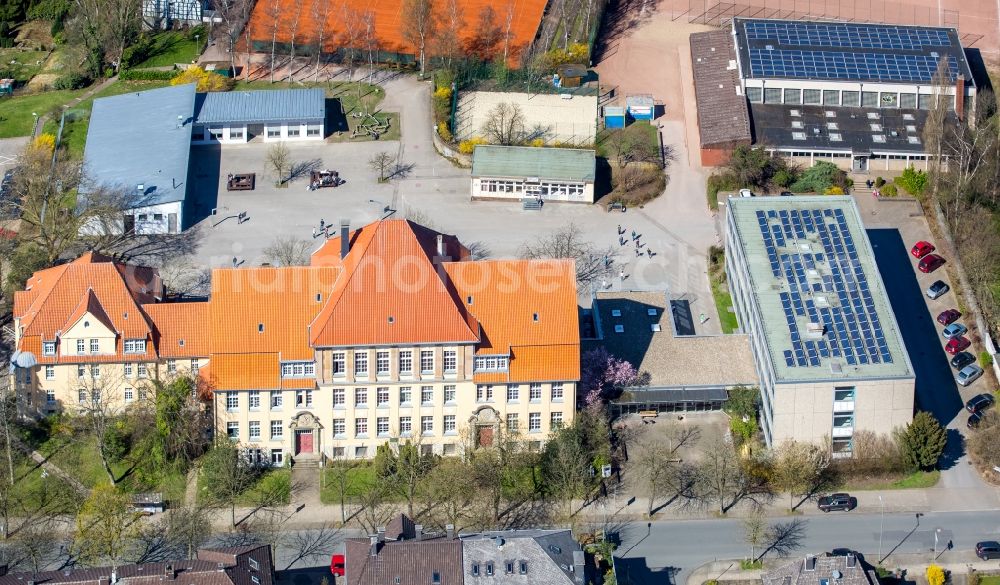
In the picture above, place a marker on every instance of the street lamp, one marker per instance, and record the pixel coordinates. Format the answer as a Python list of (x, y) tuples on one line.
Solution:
[(197, 46), (881, 526), (937, 532)]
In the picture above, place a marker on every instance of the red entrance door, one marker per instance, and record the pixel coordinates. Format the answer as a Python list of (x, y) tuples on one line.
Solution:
[(303, 442)]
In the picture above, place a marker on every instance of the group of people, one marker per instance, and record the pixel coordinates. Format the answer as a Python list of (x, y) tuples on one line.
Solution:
[(635, 240)]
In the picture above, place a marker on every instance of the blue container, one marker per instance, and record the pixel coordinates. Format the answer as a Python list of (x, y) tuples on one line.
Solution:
[(614, 117), (640, 107)]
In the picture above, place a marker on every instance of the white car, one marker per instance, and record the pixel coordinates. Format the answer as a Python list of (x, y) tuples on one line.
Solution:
[(746, 193), (969, 374)]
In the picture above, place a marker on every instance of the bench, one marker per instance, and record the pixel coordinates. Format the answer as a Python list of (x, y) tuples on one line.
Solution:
[(648, 413)]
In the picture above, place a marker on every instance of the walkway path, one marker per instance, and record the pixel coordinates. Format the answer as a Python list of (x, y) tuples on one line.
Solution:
[(94, 90)]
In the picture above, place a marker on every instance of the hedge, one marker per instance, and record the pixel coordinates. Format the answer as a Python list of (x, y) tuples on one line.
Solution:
[(147, 75)]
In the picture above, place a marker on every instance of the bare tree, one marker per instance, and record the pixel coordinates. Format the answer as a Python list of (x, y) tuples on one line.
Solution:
[(184, 277), (279, 160), (106, 526), (382, 163), (108, 27), (784, 537), (450, 492), (310, 545), (801, 470), (487, 36), (564, 463), (352, 25), (339, 472), (655, 465), (288, 251), (275, 13), (725, 482), (369, 36), (188, 528), (755, 532), (449, 40), (294, 31), (412, 466), (234, 15), (101, 407), (592, 263), (418, 26), (376, 507), (505, 125), (228, 474), (508, 23), (320, 14)]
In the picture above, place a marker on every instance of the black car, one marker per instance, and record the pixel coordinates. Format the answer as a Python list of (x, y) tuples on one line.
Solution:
[(989, 549), (962, 359), (974, 419), (841, 501), (979, 403)]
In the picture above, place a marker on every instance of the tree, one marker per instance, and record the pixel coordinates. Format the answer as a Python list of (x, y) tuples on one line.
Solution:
[(923, 441), (376, 507), (382, 163), (505, 125), (412, 466), (227, 473), (725, 482), (369, 37), (799, 469), (179, 423), (310, 545), (448, 39), (753, 167), (105, 526), (755, 532), (320, 14), (630, 145), (101, 416), (419, 25), (234, 15), (294, 31), (820, 177), (565, 466), (350, 36), (784, 537), (339, 471), (188, 528), (483, 44), (275, 14), (496, 470), (106, 28), (604, 377), (205, 80), (742, 401), (279, 160), (450, 492), (935, 575), (593, 264), (288, 251), (656, 464)]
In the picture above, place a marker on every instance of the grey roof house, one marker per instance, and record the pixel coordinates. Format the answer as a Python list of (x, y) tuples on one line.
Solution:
[(822, 570), (524, 172)]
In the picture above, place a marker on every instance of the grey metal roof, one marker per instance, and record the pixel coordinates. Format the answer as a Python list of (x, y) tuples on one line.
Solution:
[(142, 138), (568, 164), (277, 105)]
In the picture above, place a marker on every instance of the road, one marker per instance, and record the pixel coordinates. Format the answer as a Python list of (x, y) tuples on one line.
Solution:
[(666, 552)]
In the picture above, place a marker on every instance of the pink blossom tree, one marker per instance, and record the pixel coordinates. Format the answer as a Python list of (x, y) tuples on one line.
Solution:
[(602, 376)]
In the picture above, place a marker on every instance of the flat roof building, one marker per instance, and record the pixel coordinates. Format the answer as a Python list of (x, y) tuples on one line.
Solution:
[(238, 116), (525, 172), (723, 117), (828, 351), (854, 93)]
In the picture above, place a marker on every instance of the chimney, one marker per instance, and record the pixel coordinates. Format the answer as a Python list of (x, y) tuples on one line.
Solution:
[(450, 530), (381, 533), (960, 97), (374, 546), (345, 242), (440, 244), (419, 530), (168, 572), (810, 563), (852, 561), (222, 567), (579, 568)]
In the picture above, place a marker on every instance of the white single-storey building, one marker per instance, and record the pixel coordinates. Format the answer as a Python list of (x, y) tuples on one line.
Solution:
[(525, 172), (275, 115)]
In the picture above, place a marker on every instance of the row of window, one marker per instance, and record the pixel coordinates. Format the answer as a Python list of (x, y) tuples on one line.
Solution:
[(383, 361), (293, 131), (544, 188), (490, 363), (486, 568), (130, 346), (298, 369), (836, 97), (382, 425), (128, 370), (383, 396), (94, 396)]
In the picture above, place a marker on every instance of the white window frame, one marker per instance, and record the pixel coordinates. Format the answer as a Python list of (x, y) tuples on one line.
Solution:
[(232, 401), (535, 392), (450, 424), (253, 399), (449, 394), (233, 430), (81, 346), (277, 430), (382, 426), (361, 398), (129, 394), (426, 425), (450, 361), (426, 395), (382, 396), (339, 363), (253, 426), (171, 366), (405, 425), (95, 346), (382, 363), (276, 400), (361, 363), (50, 372), (339, 427), (513, 392), (361, 427), (534, 422), (557, 392), (48, 348), (339, 397), (405, 395), (406, 362), (426, 361)]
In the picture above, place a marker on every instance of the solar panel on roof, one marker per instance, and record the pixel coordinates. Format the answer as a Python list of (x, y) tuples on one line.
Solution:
[(811, 64), (862, 36)]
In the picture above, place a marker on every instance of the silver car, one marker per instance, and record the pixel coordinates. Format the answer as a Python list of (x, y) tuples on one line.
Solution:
[(969, 374), (937, 289), (954, 330)]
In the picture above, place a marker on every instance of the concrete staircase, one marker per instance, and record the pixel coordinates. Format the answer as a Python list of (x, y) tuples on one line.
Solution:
[(531, 203), (306, 462)]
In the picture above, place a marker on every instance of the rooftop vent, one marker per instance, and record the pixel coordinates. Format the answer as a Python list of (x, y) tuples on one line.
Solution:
[(875, 127), (796, 123), (832, 126), (913, 139), (837, 574), (616, 313), (894, 133), (911, 128), (810, 563), (880, 138), (836, 368), (798, 135), (836, 137), (794, 113), (873, 115), (908, 117), (619, 329), (830, 114), (391, 319)]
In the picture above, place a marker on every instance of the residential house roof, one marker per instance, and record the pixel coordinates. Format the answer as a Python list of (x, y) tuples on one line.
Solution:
[(403, 562), (566, 164), (723, 119), (181, 328), (822, 570), (128, 146), (263, 106), (240, 566)]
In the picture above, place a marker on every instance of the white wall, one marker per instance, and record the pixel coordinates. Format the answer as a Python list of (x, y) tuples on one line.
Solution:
[(292, 131), (478, 191), (233, 134), (157, 218)]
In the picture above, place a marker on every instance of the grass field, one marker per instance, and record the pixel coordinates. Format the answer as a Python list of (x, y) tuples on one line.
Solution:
[(172, 47), (720, 292), (359, 479), (915, 480), (21, 65), (15, 112)]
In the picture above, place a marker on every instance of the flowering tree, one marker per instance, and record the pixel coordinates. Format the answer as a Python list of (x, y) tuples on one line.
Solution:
[(602, 376)]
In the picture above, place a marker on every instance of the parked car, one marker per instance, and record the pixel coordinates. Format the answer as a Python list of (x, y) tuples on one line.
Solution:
[(974, 419), (840, 501), (968, 374), (937, 289), (921, 249), (787, 194), (962, 359), (746, 193), (930, 263), (954, 330), (948, 316), (989, 549), (979, 403), (337, 565), (957, 344)]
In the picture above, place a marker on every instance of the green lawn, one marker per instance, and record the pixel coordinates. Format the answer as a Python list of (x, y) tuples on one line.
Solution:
[(26, 64), (360, 478), (272, 481), (74, 136), (989, 580), (723, 303), (15, 112), (172, 47), (916, 480), (638, 130)]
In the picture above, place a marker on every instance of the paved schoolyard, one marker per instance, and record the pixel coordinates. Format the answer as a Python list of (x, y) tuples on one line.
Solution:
[(10, 150)]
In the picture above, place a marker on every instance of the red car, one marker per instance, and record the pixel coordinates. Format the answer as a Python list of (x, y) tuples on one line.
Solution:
[(930, 263), (948, 317), (921, 249), (337, 565), (957, 344)]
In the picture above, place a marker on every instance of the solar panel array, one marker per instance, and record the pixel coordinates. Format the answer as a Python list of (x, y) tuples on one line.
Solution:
[(842, 65), (855, 36), (828, 289)]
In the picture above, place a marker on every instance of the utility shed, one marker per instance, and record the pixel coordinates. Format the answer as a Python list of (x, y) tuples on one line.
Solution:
[(519, 172), (140, 143), (239, 116)]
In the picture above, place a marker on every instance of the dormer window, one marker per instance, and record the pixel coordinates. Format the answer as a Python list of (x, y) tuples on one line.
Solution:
[(489, 569), (49, 348), (523, 567), (475, 569), (135, 346)]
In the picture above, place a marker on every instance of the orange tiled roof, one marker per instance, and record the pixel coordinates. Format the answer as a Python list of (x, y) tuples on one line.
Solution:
[(527, 309), (182, 329), (89, 304), (302, 17), (245, 371), (391, 292)]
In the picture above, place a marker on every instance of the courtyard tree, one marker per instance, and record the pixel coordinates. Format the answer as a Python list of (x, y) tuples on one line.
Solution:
[(593, 264), (655, 463), (288, 251), (382, 163), (226, 474), (412, 466), (188, 528), (450, 492), (725, 481), (419, 26), (505, 125), (565, 465), (801, 469), (105, 526), (923, 441), (604, 377), (279, 160)]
